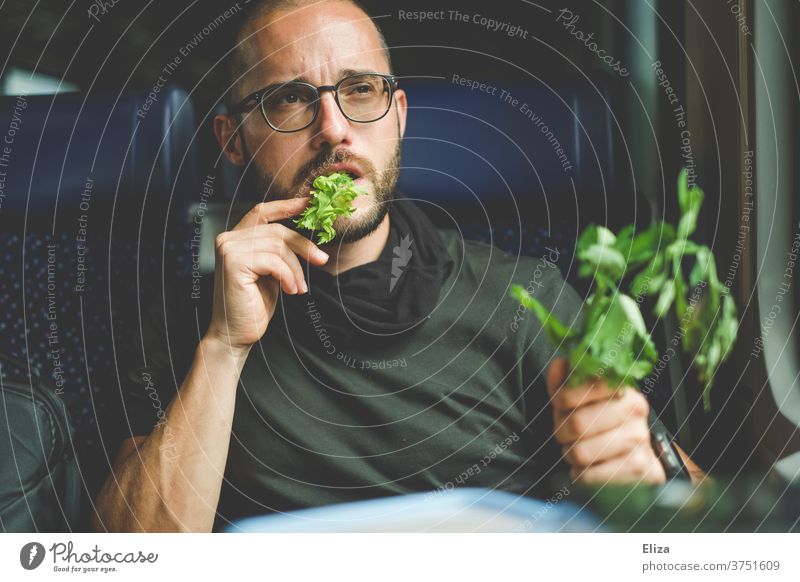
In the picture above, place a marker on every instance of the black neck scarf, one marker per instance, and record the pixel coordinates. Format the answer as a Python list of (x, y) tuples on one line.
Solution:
[(392, 295)]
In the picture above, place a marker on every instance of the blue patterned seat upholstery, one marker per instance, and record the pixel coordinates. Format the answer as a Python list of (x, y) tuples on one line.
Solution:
[(95, 197)]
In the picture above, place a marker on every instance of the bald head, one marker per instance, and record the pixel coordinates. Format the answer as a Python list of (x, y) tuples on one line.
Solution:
[(258, 19)]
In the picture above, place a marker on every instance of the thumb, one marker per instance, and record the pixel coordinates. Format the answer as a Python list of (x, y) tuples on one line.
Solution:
[(556, 375)]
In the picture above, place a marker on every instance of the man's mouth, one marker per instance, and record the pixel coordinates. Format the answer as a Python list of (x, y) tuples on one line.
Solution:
[(351, 170)]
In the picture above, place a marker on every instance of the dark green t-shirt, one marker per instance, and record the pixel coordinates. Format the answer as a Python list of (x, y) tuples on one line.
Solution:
[(459, 401)]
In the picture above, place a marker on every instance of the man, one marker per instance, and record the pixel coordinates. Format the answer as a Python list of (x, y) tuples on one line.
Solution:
[(356, 377)]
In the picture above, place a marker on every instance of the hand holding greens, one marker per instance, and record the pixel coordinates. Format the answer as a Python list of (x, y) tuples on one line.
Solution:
[(331, 196), (613, 342)]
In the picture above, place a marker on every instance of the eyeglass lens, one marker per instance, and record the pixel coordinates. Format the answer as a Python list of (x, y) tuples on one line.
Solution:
[(361, 98)]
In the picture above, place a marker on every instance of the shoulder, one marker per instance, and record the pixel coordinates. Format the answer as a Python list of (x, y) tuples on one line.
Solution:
[(485, 264)]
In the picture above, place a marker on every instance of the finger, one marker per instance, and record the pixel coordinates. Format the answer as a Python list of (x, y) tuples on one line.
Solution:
[(301, 246), (607, 445), (569, 397), (556, 375), (598, 417), (270, 288), (272, 211), (637, 466), (294, 264), (260, 237), (249, 242), (271, 265)]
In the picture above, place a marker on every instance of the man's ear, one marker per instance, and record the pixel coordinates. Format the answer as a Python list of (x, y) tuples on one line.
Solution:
[(226, 129), (401, 104)]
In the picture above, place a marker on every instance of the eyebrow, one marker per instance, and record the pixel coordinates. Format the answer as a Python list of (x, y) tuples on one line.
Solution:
[(303, 79)]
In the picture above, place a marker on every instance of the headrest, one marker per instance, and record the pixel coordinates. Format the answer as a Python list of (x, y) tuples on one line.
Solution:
[(470, 140), (58, 151)]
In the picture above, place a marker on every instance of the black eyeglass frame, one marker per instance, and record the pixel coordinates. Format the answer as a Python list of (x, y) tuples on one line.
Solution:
[(261, 94)]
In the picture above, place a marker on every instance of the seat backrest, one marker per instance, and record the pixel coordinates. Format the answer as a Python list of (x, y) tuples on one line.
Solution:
[(520, 166), (89, 184), (496, 141), (126, 146)]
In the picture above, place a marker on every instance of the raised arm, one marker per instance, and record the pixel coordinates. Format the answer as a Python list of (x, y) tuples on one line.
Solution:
[(170, 480)]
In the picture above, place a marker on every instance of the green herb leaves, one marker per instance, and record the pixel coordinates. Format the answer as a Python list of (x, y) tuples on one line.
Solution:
[(331, 196), (614, 343), (690, 200), (556, 331), (596, 249)]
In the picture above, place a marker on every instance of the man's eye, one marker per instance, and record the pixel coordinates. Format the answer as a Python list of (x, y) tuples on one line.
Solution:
[(288, 99), (361, 90)]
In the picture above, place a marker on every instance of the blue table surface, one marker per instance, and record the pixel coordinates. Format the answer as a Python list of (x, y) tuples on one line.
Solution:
[(457, 510)]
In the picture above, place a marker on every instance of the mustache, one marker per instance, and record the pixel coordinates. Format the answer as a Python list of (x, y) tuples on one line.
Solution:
[(326, 158)]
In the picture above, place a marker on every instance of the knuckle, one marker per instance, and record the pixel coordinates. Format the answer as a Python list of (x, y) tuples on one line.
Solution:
[(640, 461), (275, 230), (565, 399), (224, 250), (581, 455), (561, 400), (633, 463), (279, 249), (643, 434), (577, 424), (220, 239), (639, 404), (258, 211), (271, 260)]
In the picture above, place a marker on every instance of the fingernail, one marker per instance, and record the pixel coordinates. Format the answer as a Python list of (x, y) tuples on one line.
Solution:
[(303, 287)]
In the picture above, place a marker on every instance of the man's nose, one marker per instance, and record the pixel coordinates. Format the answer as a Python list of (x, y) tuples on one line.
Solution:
[(332, 127)]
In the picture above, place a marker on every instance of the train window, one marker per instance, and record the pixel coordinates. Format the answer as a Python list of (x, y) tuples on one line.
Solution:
[(777, 339)]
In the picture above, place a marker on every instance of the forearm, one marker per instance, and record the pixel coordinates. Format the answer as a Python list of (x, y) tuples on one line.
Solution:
[(173, 481)]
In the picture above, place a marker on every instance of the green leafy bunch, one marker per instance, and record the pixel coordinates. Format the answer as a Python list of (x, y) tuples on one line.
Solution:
[(331, 196), (613, 342)]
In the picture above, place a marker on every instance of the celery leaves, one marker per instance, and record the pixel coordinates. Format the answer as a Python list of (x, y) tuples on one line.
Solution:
[(331, 197)]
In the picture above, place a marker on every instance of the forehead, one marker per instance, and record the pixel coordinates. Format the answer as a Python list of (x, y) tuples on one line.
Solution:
[(314, 42)]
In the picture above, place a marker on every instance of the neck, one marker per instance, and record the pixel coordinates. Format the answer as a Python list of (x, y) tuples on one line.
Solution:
[(350, 255)]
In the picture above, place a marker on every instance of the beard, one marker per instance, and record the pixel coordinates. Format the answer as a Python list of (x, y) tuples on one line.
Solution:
[(349, 229)]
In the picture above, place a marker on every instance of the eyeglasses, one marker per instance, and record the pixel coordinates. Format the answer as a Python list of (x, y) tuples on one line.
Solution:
[(288, 107)]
